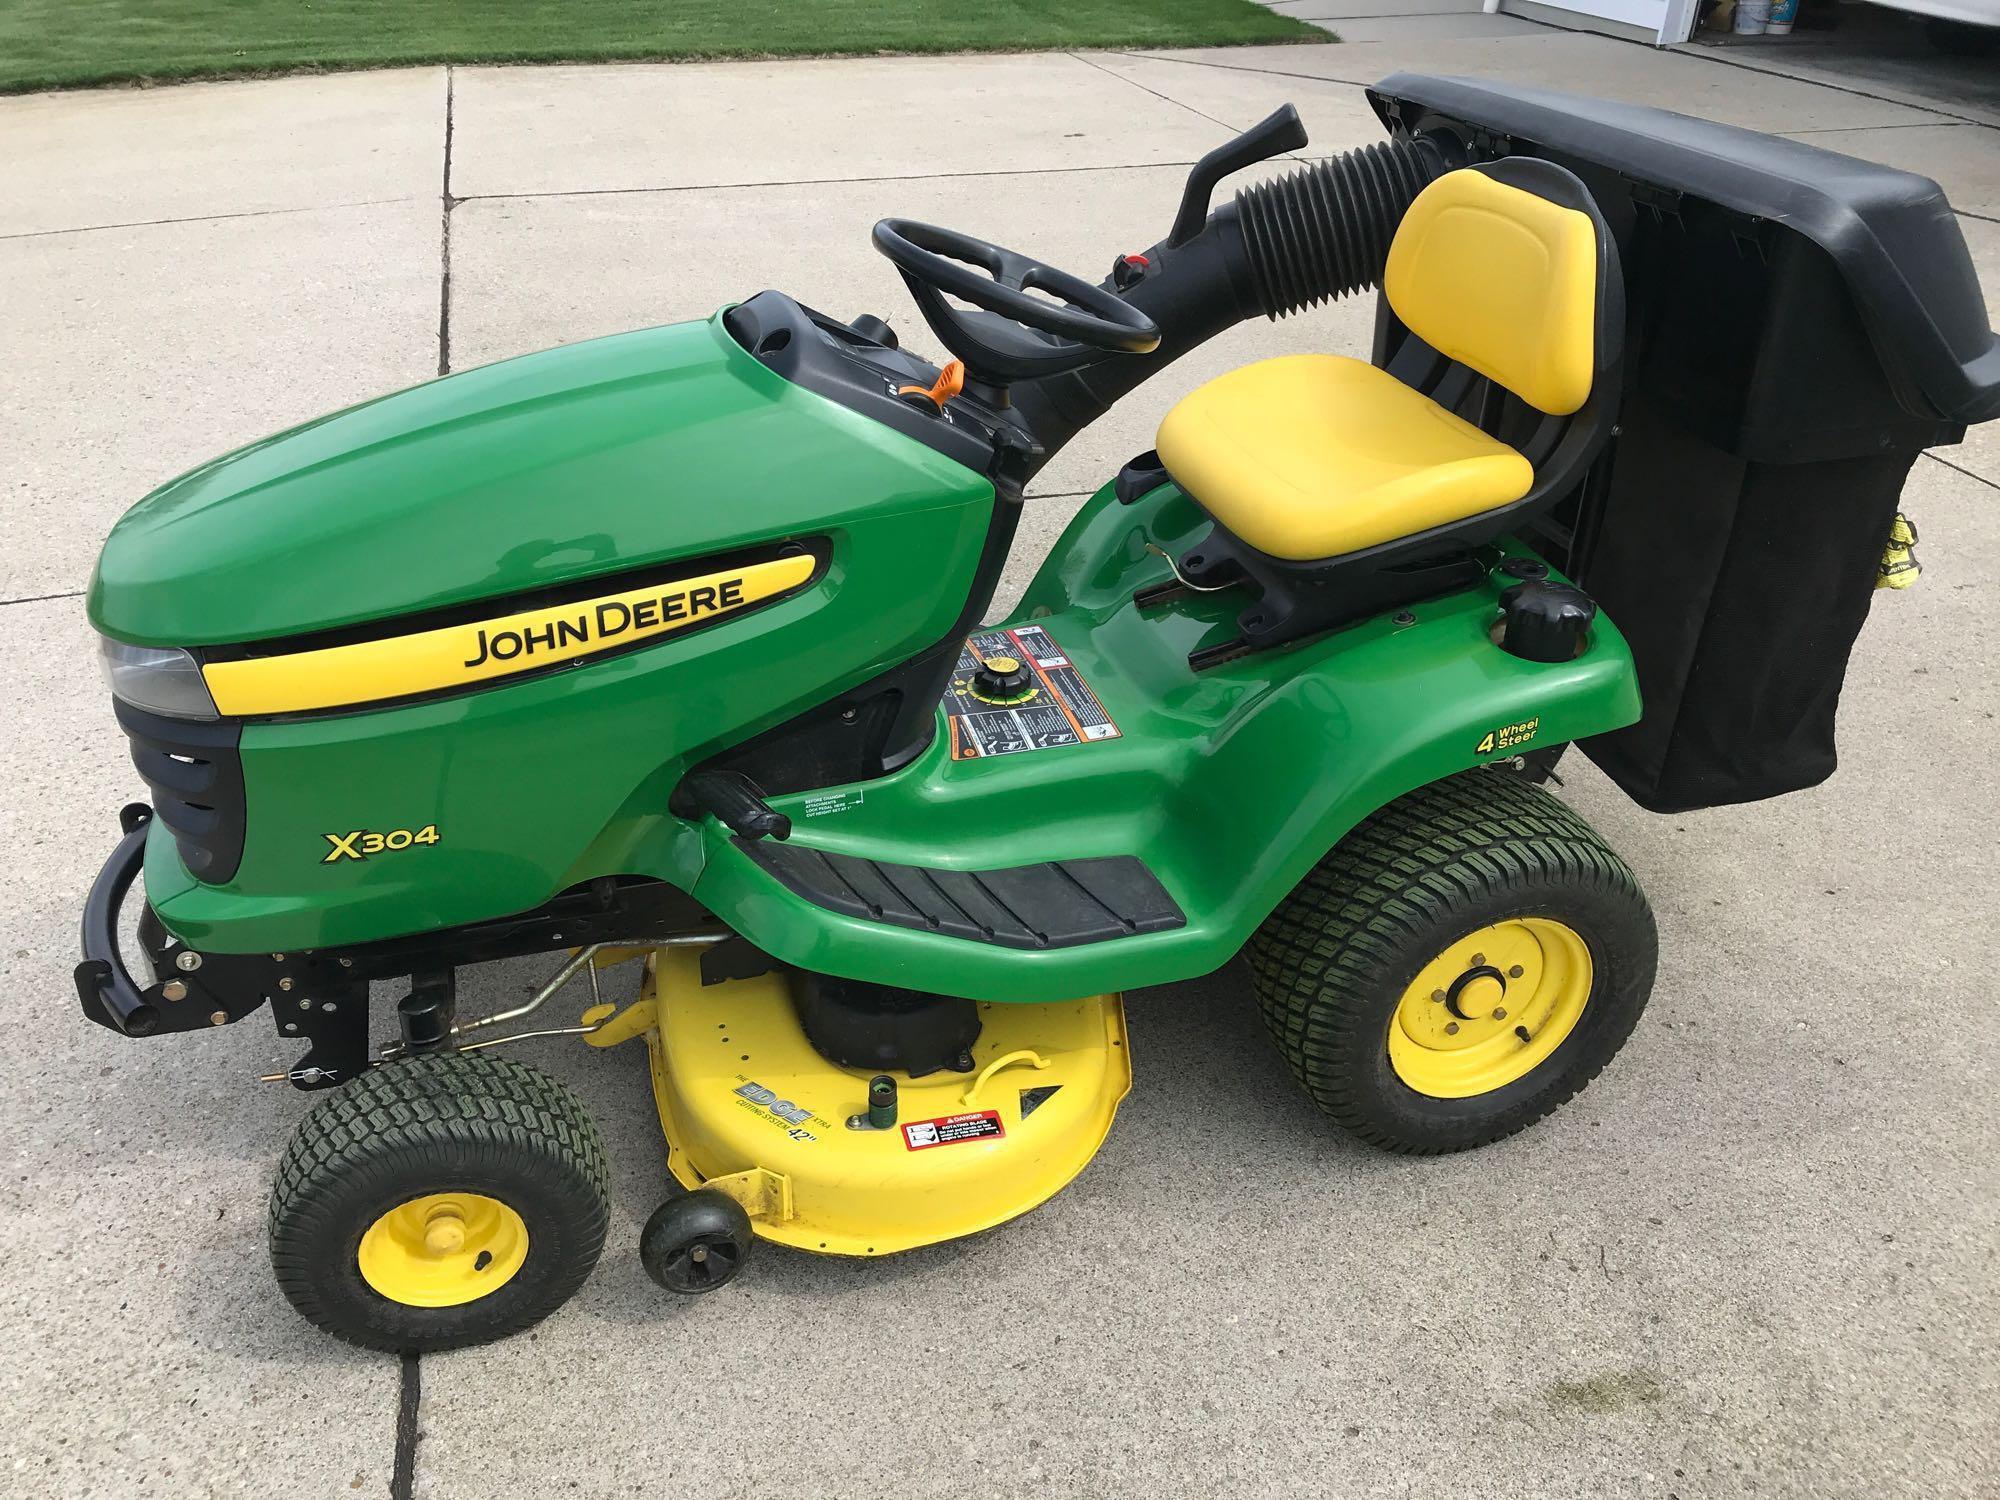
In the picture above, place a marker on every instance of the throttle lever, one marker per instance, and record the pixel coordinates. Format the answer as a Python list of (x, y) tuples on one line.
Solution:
[(1281, 130)]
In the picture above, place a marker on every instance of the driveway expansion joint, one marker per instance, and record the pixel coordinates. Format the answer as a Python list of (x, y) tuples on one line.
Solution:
[(1688, 50), (447, 204), (409, 1399), (1961, 469), (1163, 98), (783, 182), (245, 213)]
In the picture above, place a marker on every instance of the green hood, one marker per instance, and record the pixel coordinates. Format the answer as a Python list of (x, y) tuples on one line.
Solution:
[(594, 458)]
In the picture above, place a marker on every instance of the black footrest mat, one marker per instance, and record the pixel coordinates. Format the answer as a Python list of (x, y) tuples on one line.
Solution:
[(1058, 905)]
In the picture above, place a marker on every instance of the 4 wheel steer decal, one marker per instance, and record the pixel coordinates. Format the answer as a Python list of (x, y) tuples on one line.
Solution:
[(364, 843), (1508, 736)]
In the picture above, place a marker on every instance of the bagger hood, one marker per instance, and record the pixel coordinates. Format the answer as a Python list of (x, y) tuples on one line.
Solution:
[(596, 458)]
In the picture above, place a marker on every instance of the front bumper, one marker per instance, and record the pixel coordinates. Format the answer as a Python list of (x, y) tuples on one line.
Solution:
[(199, 990)]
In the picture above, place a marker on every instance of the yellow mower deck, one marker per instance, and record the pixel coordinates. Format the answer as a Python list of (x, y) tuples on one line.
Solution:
[(751, 1110)]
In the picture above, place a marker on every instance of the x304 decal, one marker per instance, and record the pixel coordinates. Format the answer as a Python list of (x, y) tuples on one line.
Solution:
[(364, 843)]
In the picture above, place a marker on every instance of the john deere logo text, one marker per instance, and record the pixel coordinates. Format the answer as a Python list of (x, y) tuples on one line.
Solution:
[(364, 844), (610, 619), (454, 657), (1508, 736)]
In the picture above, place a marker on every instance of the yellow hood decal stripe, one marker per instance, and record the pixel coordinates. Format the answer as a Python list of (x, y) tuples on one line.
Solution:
[(457, 656)]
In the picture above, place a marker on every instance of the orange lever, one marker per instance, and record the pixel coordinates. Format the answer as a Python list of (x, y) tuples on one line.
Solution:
[(950, 381)]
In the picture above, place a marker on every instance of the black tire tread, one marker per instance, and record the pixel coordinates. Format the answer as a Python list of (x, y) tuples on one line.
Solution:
[(1353, 920), (455, 1103)]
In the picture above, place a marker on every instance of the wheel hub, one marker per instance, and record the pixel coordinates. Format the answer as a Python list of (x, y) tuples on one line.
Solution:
[(443, 1249), (1489, 1008), (444, 1231), (1481, 987)]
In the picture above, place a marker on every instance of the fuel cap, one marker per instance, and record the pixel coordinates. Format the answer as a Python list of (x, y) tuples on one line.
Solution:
[(1541, 620), (1002, 679)]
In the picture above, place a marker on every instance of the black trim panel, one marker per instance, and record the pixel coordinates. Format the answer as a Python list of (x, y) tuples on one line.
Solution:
[(863, 372), (195, 773), (1061, 904)]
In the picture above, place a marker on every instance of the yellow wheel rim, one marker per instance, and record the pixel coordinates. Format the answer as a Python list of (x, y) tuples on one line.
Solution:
[(1490, 1009), (443, 1249)]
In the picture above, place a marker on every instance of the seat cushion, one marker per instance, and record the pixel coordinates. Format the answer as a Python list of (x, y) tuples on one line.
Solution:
[(1315, 455)]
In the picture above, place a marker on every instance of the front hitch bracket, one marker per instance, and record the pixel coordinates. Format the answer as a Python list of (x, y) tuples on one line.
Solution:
[(320, 996)]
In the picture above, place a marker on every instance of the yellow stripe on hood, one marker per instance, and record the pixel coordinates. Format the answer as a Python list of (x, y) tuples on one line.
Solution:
[(456, 656)]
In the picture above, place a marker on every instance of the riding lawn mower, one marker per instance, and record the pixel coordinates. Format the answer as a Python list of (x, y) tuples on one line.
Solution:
[(672, 648)]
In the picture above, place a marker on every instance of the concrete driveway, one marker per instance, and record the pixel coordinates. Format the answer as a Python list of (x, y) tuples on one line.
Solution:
[(1756, 1257)]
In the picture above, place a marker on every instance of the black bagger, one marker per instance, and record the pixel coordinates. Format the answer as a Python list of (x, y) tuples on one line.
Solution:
[(1801, 325)]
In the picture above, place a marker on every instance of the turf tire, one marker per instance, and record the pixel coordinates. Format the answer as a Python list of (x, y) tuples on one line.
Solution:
[(466, 1122), (1331, 963)]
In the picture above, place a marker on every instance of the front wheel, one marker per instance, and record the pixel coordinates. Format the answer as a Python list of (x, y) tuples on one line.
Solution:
[(443, 1200), (1461, 964)]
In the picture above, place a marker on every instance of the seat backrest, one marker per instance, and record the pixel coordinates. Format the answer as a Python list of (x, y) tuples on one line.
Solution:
[(1503, 268)]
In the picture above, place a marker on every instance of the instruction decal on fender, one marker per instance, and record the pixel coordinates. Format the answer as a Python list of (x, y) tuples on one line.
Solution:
[(1057, 708), (953, 1130), (1508, 736), (821, 804)]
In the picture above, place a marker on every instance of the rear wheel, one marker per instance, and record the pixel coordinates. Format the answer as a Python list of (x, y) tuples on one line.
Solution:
[(1461, 964), (439, 1201)]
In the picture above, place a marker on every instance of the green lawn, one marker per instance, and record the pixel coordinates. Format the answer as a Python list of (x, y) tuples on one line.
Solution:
[(58, 43)]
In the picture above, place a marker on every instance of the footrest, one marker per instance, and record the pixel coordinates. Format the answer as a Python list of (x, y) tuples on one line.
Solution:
[(1061, 904)]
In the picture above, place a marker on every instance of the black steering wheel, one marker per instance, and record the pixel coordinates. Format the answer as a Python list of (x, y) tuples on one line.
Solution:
[(1018, 336)]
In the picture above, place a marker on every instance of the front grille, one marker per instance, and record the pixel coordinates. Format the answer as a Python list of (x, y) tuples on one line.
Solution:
[(195, 774)]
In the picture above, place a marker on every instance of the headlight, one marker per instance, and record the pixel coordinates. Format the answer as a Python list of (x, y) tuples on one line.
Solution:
[(159, 679)]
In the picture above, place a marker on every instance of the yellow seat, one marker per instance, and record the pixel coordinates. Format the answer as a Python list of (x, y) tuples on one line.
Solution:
[(1315, 455), (1312, 457)]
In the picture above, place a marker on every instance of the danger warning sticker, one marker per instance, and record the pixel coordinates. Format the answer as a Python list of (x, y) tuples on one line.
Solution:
[(953, 1130), (1055, 706)]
